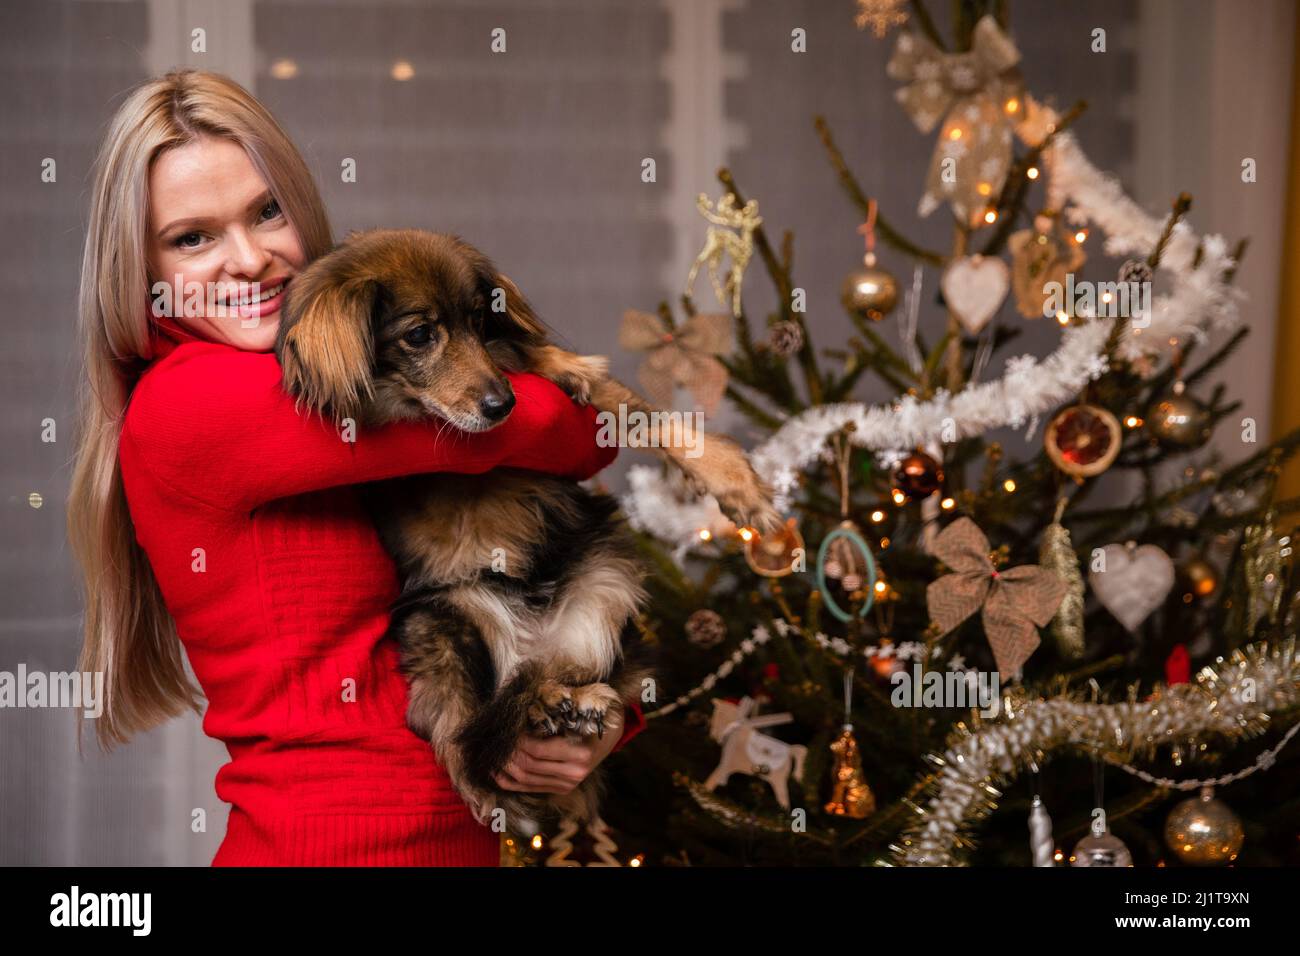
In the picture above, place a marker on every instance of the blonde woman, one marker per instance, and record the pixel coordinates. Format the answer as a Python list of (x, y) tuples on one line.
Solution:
[(207, 514)]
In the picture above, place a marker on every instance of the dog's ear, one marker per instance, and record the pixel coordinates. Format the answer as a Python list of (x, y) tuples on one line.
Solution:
[(326, 338), (508, 314)]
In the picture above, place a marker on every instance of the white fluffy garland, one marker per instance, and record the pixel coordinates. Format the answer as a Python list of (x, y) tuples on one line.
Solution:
[(1028, 389), (1199, 300)]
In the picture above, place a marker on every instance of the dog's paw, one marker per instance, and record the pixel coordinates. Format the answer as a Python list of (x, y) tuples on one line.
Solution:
[(578, 377), (741, 494), (551, 710), (593, 705)]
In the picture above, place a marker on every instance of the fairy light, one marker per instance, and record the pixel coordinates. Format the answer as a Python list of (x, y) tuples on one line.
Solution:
[(1063, 318), (1106, 297), (947, 504), (1013, 105), (284, 69), (884, 543), (877, 516), (991, 216), (402, 71), (984, 189), (706, 534), (1080, 236), (899, 497), (954, 133), (1032, 172), (537, 841), (1132, 421), (746, 534), (636, 860), (1009, 484)]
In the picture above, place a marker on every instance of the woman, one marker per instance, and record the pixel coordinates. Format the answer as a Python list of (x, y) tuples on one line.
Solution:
[(207, 512)]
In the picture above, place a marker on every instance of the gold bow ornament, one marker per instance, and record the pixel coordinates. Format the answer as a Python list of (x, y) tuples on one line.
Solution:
[(1015, 602), (979, 96), (684, 356)]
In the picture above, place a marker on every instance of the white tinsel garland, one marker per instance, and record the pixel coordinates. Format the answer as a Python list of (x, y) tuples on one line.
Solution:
[(1228, 703), (1028, 389), (1200, 298)]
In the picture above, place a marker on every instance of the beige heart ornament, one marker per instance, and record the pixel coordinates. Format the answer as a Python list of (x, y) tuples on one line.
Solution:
[(1134, 583), (974, 288)]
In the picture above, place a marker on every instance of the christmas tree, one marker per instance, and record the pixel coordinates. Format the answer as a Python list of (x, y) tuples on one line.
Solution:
[(950, 638)]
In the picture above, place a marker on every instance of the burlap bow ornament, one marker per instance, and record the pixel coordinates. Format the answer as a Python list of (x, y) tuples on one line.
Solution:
[(978, 94), (684, 356), (1016, 602)]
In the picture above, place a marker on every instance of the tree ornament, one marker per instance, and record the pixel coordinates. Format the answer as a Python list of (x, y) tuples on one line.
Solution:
[(1041, 844), (880, 15), (1178, 419), (745, 750), (785, 339), (1056, 554), (1082, 440), (1135, 581), (1178, 666), (1199, 576), (870, 292), (1013, 602), (974, 288), (601, 845), (732, 234), (1262, 563), (850, 795), (844, 555), (978, 95), (918, 476), (775, 554), (706, 628), (682, 356), (1104, 849), (1040, 256), (1203, 830), (1135, 271)]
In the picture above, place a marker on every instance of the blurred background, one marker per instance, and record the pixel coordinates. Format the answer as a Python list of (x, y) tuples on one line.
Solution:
[(535, 155)]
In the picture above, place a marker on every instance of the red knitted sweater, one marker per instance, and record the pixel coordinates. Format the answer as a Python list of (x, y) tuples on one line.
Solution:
[(280, 588)]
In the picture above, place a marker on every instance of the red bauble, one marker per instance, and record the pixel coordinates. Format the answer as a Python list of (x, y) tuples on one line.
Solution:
[(918, 476)]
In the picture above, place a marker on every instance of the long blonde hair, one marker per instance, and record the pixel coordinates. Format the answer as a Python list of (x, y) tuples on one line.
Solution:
[(128, 633)]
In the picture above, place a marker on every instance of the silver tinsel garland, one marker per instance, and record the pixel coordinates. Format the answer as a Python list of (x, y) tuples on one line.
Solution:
[(1225, 704)]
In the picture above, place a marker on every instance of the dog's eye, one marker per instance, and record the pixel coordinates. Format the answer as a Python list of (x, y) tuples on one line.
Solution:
[(420, 335)]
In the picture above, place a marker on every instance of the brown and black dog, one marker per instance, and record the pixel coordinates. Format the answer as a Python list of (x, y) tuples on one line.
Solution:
[(519, 590)]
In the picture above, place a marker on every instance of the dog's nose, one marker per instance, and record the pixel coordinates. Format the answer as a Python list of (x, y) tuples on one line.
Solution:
[(498, 402)]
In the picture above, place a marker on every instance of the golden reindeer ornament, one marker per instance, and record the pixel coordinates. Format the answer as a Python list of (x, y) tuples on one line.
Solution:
[(720, 243)]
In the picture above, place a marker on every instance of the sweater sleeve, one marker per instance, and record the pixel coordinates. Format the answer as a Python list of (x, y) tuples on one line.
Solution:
[(217, 426), (633, 724)]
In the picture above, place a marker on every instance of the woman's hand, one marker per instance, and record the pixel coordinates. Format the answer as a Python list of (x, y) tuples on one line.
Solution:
[(557, 764)]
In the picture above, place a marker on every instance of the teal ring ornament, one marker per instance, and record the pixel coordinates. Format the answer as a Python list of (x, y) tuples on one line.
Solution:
[(846, 530)]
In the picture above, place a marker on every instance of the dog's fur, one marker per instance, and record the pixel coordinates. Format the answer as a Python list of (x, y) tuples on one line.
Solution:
[(519, 590)]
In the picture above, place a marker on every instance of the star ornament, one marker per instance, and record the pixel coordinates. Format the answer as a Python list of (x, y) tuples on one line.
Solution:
[(1014, 602)]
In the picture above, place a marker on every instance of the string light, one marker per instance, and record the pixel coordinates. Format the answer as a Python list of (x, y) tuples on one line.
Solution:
[(1013, 105), (1080, 236), (1132, 421), (947, 504), (746, 534), (991, 216), (706, 534), (954, 133), (1063, 318), (1032, 172), (537, 841), (877, 516), (984, 189), (1009, 484), (899, 497)]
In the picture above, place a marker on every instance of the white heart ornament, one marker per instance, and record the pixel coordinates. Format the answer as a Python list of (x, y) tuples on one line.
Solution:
[(1136, 582), (974, 288)]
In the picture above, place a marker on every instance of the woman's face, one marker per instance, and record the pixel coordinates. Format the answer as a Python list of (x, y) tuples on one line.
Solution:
[(214, 229)]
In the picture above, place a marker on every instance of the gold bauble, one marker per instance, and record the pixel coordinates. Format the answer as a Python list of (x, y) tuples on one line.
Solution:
[(870, 292), (1203, 831), (1199, 577), (1178, 419)]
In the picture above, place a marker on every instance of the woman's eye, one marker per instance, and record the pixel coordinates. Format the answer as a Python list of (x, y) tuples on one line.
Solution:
[(189, 240), (420, 335), (271, 210)]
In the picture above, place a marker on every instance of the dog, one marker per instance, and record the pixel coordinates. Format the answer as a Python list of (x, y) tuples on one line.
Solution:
[(520, 591)]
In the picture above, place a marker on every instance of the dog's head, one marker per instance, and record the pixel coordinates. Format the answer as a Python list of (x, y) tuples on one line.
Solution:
[(402, 324)]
